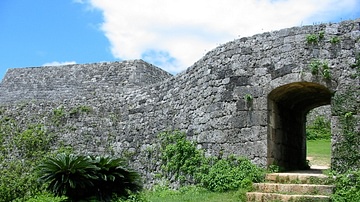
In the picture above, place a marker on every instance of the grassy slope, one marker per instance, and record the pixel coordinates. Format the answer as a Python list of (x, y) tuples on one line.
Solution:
[(319, 152)]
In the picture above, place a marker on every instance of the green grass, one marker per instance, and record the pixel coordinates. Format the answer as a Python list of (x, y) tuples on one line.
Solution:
[(194, 194), (164, 194), (319, 152)]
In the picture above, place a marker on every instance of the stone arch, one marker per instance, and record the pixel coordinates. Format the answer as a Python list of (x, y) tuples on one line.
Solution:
[(287, 109)]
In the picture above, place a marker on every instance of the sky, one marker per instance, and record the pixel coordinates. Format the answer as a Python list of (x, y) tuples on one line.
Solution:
[(169, 34)]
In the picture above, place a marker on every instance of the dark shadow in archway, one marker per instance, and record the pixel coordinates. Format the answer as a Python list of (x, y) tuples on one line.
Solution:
[(287, 109)]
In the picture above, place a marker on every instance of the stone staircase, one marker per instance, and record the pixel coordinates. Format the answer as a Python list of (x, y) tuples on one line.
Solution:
[(301, 186)]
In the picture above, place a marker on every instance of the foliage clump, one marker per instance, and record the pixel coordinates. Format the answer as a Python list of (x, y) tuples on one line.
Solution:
[(347, 187), (180, 158), (314, 39), (322, 67), (182, 161), (230, 173), (319, 129), (347, 148), (21, 148), (83, 177)]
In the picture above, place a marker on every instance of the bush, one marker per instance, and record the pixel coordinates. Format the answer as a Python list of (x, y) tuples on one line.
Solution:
[(17, 180), (319, 129), (183, 161), (230, 174), (347, 187), (21, 148), (180, 158), (45, 197), (84, 177)]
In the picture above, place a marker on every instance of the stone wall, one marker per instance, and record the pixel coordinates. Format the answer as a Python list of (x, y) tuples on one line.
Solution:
[(247, 97), (80, 80)]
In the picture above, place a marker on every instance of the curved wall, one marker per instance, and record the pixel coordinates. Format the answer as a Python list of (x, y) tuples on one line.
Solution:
[(208, 100)]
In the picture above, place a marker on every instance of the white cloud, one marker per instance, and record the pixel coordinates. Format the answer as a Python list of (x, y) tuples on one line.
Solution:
[(184, 30), (56, 63)]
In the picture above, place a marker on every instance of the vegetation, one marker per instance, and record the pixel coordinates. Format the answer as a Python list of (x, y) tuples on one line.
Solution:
[(319, 152), (185, 163), (317, 66), (248, 97), (24, 146), (20, 151), (192, 194), (335, 40), (347, 187), (180, 158), (229, 174), (84, 177), (314, 39), (319, 129), (347, 151)]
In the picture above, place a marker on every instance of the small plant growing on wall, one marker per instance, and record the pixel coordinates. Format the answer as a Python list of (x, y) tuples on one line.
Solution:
[(326, 71), (312, 39), (334, 40), (315, 38), (248, 98), (314, 67), (317, 66)]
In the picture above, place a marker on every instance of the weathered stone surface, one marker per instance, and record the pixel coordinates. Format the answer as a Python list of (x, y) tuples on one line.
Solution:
[(132, 101)]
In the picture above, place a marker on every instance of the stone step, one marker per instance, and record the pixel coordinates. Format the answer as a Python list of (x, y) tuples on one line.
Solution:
[(306, 189), (266, 197), (297, 178)]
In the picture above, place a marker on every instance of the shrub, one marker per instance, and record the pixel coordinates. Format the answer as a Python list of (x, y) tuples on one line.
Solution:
[(230, 174), (114, 178), (84, 177), (17, 180), (45, 197), (20, 150), (180, 158), (68, 175), (319, 129), (183, 161), (347, 187)]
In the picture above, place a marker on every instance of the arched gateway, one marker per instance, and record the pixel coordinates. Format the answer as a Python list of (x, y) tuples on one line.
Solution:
[(247, 97), (287, 107)]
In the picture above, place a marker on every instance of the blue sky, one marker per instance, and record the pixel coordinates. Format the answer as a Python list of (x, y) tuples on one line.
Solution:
[(170, 34)]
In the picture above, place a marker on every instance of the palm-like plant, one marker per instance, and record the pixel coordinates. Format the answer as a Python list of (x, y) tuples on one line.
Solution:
[(80, 177), (115, 178), (68, 175)]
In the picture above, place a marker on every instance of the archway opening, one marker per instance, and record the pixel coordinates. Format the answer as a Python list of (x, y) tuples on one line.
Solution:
[(318, 137), (287, 109)]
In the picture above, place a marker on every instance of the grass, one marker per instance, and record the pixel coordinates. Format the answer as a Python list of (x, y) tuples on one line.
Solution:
[(319, 152), (195, 194)]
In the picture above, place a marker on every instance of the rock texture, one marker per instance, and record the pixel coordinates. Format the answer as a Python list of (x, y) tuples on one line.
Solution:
[(247, 97)]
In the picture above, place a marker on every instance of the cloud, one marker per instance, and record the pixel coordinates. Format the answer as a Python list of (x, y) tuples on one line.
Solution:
[(56, 63), (175, 34)]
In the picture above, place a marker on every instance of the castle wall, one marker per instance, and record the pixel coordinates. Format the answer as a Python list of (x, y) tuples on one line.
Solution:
[(221, 101)]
